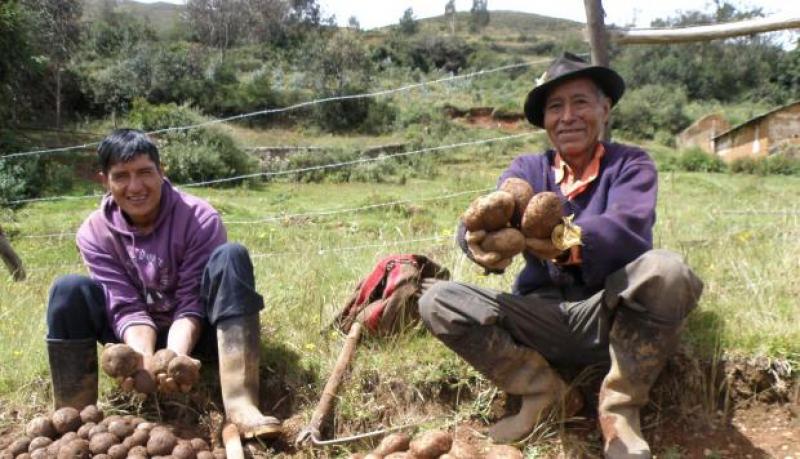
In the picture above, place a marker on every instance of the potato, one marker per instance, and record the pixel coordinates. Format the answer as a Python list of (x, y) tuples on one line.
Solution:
[(431, 444), (199, 444), (184, 370), (139, 437), (543, 213), (503, 452), (373, 455), (161, 442), (19, 446), (83, 431), (463, 450), (400, 455), (143, 382), (204, 455), (40, 453), (109, 419), (68, 437), (39, 443), (92, 414), (100, 456), (161, 360), (100, 443), (119, 451), (121, 428), (490, 212), (507, 242), (219, 453), (21, 456), (66, 419), (522, 192), (75, 449), (137, 451), (393, 443), (183, 451), (119, 360), (146, 426), (40, 426), (98, 429)]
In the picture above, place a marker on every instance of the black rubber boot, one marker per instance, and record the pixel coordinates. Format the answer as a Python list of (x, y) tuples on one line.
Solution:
[(517, 370), (239, 342), (639, 349), (73, 367)]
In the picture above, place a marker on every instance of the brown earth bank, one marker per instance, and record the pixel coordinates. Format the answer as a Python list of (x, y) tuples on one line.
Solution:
[(737, 408)]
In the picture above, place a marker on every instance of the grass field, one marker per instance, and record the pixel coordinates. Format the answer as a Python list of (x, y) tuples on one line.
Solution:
[(740, 234)]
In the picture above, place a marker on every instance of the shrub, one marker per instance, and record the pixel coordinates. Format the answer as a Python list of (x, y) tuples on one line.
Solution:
[(646, 111), (696, 160), (192, 155), (777, 164)]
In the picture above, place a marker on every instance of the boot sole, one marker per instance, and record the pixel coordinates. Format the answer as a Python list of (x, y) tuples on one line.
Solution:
[(268, 431)]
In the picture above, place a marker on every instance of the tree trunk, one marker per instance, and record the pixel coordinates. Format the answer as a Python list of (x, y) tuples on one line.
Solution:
[(598, 40), (58, 96), (10, 258)]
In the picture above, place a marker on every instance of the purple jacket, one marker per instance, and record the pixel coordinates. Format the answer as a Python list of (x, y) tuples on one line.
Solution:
[(151, 279), (616, 213)]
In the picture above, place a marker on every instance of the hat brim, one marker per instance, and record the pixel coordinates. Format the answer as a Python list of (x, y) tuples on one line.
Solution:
[(608, 80)]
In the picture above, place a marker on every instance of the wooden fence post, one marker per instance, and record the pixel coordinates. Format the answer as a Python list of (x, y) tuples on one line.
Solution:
[(598, 41)]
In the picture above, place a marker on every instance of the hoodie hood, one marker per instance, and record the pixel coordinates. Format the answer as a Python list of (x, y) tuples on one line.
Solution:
[(115, 219)]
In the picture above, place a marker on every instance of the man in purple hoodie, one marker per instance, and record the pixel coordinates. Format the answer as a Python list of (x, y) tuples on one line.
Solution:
[(608, 298), (161, 276)]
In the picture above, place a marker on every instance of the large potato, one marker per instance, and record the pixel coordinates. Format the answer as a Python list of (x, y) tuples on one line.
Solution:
[(40, 426), (119, 360), (522, 192), (161, 360), (184, 370), (91, 413), (431, 444), (66, 419), (393, 443), (490, 212), (543, 213), (507, 242), (463, 450)]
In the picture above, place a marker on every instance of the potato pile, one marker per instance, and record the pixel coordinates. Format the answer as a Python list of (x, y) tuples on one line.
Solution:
[(68, 434), (499, 223), (173, 372), (431, 445)]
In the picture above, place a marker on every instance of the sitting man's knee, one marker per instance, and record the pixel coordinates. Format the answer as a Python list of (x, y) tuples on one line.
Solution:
[(675, 289), (430, 301), (68, 289), (230, 251)]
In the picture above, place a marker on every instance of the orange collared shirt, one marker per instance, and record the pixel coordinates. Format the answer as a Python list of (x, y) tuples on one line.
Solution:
[(572, 185)]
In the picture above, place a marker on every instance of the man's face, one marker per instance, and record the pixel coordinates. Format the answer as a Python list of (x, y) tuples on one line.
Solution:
[(135, 186), (574, 117)]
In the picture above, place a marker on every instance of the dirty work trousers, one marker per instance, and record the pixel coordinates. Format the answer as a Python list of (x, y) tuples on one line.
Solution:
[(658, 288), (76, 309)]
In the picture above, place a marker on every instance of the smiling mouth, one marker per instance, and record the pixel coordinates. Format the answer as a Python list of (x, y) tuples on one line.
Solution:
[(570, 131)]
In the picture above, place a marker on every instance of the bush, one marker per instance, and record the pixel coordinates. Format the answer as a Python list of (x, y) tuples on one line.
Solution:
[(696, 160), (192, 155), (647, 111), (777, 164)]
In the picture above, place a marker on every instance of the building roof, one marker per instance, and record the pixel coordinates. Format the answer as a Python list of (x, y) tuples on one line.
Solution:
[(756, 118)]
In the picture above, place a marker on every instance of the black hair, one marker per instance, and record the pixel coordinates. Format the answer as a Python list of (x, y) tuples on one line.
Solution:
[(123, 145)]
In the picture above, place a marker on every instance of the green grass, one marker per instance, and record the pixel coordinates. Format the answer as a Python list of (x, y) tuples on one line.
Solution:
[(306, 267)]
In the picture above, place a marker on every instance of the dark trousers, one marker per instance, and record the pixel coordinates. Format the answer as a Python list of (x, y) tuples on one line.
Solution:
[(657, 288), (76, 309)]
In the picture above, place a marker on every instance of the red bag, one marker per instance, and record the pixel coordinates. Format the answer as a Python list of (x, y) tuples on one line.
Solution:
[(386, 300)]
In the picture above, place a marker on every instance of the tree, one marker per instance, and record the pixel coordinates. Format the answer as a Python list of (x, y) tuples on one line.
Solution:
[(479, 15), (219, 23), (353, 23), (59, 29), (14, 60), (450, 15), (408, 24)]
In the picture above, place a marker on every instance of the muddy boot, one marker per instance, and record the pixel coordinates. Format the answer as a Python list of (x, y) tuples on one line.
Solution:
[(73, 367), (517, 370), (239, 344), (639, 351)]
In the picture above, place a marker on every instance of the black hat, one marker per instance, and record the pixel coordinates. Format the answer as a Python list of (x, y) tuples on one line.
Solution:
[(566, 67)]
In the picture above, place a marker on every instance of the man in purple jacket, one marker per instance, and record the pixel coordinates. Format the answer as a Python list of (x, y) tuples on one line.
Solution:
[(161, 275), (609, 298)]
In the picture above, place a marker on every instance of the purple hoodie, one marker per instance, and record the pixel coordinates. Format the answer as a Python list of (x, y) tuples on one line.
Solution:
[(151, 279), (616, 213)]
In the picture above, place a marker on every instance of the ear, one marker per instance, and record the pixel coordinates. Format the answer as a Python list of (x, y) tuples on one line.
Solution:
[(606, 107)]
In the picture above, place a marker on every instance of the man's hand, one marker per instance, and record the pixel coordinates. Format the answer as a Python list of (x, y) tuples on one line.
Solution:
[(543, 249), (493, 262)]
